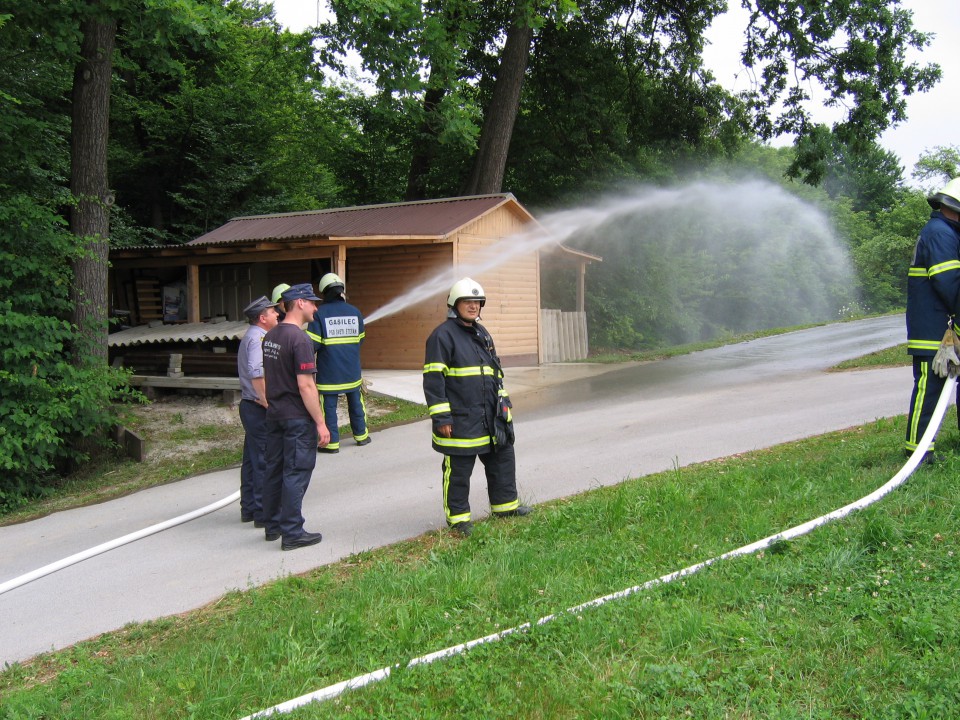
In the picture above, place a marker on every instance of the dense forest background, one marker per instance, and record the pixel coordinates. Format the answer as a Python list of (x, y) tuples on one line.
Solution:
[(128, 123)]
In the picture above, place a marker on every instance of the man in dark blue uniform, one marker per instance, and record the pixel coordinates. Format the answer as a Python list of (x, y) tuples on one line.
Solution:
[(337, 333), (463, 386), (294, 421), (933, 299)]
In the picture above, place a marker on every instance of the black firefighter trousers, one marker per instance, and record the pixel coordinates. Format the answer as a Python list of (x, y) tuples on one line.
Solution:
[(500, 467), (927, 386)]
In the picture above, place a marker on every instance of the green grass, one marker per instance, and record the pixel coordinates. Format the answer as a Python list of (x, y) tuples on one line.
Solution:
[(856, 620), (605, 355), (114, 476), (890, 357)]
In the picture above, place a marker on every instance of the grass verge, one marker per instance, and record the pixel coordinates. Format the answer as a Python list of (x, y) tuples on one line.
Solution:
[(185, 436), (889, 357), (606, 355), (855, 620)]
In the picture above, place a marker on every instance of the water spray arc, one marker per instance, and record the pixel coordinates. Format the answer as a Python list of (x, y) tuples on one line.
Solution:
[(359, 681), (748, 234)]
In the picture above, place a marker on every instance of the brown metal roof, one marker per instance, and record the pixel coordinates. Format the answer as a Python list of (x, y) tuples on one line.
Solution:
[(426, 218)]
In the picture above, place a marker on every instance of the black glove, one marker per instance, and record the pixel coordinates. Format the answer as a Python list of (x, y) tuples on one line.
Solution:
[(503, 434)]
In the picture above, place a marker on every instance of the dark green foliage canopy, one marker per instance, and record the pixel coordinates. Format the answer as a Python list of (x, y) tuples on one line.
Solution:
[(215, 111)]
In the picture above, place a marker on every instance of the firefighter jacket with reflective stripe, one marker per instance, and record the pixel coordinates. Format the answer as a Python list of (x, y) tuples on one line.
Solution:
[(933, 284), (337, 333), (462, 385)]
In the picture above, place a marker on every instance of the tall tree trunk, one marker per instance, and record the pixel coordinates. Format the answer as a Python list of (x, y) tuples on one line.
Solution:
[(490, 160), (90, 216), (424, 146)]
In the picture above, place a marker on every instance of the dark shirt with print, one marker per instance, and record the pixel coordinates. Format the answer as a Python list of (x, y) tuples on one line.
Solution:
[(287, 353)]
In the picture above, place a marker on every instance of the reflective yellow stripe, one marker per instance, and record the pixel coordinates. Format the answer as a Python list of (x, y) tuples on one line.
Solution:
[(443, 407), (352, 340), (340, 388), (435, 367), (944, 267), (912, 438), (470, 371), (363, 408), (461, 442), (923, 345), (451, 519), (506, 507), (314, 337)]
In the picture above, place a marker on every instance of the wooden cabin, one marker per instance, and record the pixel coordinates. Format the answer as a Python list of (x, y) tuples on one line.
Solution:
[(383, 252)]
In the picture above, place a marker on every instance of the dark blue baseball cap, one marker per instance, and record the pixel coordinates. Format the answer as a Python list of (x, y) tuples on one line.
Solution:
[(304, 291)]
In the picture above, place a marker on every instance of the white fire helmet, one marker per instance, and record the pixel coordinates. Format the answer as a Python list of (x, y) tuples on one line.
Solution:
[(949, 197), (466, 289), (278, 291), (328, 281)]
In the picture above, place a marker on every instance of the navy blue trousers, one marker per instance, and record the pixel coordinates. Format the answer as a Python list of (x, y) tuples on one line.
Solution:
[(253, 417), (358, 417), (927, 386), (291, 457)]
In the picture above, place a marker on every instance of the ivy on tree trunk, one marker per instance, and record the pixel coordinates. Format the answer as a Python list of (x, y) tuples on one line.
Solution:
[(90, 214)]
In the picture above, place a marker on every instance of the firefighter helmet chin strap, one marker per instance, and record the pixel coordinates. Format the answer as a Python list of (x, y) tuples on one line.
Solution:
[(454, 315)]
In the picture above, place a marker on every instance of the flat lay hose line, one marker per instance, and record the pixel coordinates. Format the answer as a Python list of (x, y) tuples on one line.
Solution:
[(359, 681), (332, 691), (113, 544)]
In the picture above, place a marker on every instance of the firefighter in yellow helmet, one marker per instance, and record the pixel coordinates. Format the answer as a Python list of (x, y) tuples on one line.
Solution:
[(933, 301), (470, 409)]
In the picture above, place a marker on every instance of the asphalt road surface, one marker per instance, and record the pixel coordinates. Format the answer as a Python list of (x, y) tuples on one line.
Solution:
[(571, 437)]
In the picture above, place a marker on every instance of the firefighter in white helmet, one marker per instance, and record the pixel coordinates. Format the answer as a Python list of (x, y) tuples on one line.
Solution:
[(276, 296), (469, 409), (337, 333), (933, 301)]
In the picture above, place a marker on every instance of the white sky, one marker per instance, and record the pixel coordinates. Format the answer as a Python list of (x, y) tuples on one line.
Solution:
[(932, 118)]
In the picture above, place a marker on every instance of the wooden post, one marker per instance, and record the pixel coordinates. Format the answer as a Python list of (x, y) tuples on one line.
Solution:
[(193, 293), (581, 286)]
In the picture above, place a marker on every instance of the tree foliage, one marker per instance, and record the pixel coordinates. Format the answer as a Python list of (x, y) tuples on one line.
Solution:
[(215, 111), (938, 166), (855, 52)]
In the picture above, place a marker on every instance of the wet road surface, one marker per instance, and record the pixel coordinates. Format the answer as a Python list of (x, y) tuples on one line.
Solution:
[(570, 438)]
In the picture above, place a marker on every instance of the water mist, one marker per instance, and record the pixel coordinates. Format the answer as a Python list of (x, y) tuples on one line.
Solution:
[(707, 257)]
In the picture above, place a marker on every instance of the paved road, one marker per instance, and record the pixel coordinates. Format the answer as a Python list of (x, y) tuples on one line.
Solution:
[(594, 431)]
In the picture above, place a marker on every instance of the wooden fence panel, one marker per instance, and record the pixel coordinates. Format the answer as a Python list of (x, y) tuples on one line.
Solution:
[(564, 335)]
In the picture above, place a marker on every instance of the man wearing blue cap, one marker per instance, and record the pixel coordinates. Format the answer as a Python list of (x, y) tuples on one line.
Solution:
[(295, 426)]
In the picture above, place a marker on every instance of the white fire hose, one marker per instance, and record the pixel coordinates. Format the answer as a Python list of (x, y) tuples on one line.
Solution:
[(112, 544), (332, 691)]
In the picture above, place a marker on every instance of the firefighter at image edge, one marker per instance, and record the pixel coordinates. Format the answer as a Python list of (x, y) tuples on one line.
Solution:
[(933, 301)]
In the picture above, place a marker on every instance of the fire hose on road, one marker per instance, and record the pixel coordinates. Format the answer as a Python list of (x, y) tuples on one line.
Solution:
[(337, 689), (113, 544), (359, 681)]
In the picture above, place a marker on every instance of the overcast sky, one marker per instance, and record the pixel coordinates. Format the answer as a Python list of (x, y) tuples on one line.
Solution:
[(932, 117)]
